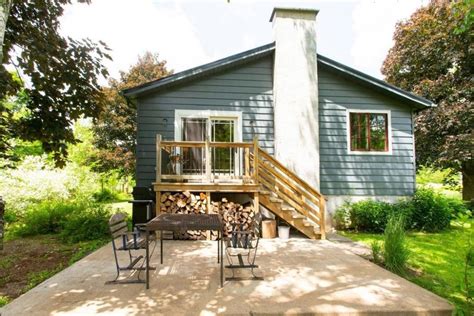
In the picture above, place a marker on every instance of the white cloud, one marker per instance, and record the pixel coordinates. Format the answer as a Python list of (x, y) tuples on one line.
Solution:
[(132, 27), (373, 26)]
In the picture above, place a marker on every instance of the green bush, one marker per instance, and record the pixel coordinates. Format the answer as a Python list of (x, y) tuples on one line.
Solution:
[(74, 220), (395, 252), (376, 247), (90, 224), (105, 195), (342, 217), (427, 211), (47, 217), (431, 211), (369, 215)]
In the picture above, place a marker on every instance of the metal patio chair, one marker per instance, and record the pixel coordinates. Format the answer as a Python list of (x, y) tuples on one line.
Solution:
[(131, 242), (241, 248)]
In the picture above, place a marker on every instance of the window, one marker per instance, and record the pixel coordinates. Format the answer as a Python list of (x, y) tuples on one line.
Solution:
[(217, 126), (369, 132)]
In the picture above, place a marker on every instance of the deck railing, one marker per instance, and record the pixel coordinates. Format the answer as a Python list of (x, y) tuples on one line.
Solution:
[(206, 161)]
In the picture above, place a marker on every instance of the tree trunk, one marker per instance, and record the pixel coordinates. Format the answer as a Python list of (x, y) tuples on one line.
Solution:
[(468, 180), (4, 12), (2, 227)]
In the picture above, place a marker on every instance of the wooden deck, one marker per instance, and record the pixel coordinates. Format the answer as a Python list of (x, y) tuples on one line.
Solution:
[(239, 167)]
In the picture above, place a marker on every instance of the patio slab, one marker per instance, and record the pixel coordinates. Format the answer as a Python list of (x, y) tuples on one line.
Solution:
[(301, 277)]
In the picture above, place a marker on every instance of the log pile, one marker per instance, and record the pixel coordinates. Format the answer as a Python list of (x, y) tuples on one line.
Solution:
[(189, 203), (185, 203), (233, 213)]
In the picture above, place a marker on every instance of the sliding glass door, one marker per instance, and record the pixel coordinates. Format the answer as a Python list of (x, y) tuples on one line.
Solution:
[(223, 159), (216, 129)]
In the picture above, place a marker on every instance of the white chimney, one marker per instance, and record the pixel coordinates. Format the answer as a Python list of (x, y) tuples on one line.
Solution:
[(295, 86)]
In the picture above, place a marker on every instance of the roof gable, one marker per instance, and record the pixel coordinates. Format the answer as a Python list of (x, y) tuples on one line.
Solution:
[(265, 50)]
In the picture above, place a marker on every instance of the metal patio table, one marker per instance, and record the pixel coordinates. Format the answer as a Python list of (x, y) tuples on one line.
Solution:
[(184, 222)]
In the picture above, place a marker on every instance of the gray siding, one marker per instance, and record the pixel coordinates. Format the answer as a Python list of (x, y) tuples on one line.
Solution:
[(351, 174), (248, 88)]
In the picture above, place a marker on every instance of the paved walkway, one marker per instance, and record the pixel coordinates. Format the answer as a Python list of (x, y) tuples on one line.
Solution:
[(345, 243), (301, 277)]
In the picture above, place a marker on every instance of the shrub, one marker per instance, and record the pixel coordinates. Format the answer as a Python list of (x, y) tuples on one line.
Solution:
[(105, 195), (395, 250), (90, 224), (36, 180), (342, 217), (4, 300), (427, 210), (78, 220), (369, 215), (376, 247), (47, 217), (431, 211)]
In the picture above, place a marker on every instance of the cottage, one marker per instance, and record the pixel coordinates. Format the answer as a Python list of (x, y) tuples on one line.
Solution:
[(299, 132)]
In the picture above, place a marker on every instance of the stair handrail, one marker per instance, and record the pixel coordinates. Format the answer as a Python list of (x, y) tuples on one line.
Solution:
[(304, 186)]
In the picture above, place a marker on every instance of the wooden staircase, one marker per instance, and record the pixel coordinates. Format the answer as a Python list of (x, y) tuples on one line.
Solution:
[(289, 197)]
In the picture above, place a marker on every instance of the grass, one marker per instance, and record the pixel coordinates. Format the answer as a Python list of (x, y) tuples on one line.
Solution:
[(4, 300), (438, 259), (122, 206)]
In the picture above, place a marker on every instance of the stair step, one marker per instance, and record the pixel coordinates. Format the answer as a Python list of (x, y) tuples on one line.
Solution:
[(275, 200), (297, 215), (288, 208), (308, 223), (264, 192)]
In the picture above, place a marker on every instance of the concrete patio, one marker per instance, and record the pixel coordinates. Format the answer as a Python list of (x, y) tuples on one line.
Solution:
[(301, 277)]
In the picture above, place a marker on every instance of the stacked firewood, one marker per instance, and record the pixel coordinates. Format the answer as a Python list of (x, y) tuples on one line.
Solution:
[(185, 203), (189, 203), (233, 213)]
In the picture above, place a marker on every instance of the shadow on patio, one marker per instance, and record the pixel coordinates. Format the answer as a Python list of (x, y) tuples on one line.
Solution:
[(301, 276)]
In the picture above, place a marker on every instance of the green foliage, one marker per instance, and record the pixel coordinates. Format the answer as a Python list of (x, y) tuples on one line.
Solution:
[(377, 253), (426, 211), (431, 211), (433, 57), (35, 278), (47, 217), (116, 128), (105, 195), (395, 252), (369, 215), (87, 247), (439, 259), (342, 216), (62, 75), (90, 224), (35, 180), (427, 175), (4, 300), (74, 220)]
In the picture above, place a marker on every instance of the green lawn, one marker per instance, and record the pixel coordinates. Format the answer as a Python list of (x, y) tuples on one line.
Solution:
[(124, 207), (439, 261)]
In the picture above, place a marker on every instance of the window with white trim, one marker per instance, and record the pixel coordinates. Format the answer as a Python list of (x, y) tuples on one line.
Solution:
[(369, 131)]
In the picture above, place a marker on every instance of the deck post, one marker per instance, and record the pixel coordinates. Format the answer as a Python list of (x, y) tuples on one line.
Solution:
[(255, 159), (256, 203), (208, 211), (247, 164), (158, 174), (322, 215), (208, 161), (158, 158)]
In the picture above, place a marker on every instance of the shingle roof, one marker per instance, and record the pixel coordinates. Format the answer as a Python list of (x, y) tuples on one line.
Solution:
[(265, 50)]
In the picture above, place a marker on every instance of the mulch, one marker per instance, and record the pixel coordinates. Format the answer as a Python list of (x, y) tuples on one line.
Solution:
[(25, 256)]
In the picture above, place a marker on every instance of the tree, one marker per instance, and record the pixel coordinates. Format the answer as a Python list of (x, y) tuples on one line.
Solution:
[(60, 76), (116, 128), (433, 57), (4, 11)]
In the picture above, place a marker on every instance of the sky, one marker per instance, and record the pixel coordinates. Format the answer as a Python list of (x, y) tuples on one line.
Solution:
[(186, 33)]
